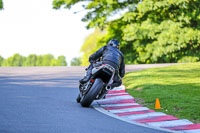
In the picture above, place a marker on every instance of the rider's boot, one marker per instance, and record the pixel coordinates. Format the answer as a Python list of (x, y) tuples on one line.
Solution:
[(85, 79), (88, 75), (116, 84)]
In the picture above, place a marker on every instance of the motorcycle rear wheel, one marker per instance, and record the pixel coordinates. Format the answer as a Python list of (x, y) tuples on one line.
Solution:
[(92, 93)]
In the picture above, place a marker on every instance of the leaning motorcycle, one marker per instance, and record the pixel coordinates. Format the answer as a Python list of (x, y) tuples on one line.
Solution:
[(98, 85)]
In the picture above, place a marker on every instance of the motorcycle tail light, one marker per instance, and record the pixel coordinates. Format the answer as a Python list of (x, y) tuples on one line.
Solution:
[(92, 80)]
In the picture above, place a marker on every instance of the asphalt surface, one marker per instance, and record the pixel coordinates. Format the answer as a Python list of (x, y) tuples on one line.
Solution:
[(42, 100)]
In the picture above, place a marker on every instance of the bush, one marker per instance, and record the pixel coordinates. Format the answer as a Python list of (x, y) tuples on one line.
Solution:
[(187, 59)]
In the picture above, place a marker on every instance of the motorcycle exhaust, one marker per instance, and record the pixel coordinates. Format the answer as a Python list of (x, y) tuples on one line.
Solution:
[(108, 87)]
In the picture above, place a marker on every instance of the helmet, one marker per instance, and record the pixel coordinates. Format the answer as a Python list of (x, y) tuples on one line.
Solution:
[(114, 43)]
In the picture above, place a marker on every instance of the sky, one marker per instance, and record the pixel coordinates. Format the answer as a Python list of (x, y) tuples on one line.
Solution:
[(33, 27)]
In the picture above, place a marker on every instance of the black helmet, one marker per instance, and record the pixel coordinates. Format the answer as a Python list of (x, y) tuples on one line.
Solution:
[(114, 43)]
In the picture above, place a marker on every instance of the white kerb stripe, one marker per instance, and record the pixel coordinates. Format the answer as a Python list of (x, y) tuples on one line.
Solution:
[(170, 123), (119, 105), (190, 131), (119, 97), (141, 116), (128, 110)]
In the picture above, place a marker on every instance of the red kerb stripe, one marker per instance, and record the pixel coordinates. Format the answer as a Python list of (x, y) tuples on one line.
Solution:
[(117, 91), (122, 107), (156, 119), (116, 95), (185, 127), (135, 112)]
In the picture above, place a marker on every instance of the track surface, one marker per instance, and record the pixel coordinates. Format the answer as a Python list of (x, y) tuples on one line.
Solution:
[(42, 99)]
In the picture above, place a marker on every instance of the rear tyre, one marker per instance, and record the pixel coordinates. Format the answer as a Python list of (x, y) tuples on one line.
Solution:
[(92, 93)]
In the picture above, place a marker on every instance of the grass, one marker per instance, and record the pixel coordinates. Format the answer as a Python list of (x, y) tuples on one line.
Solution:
[(177, 87)]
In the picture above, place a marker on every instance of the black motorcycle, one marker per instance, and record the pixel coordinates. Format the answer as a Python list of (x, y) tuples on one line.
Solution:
[(98, 85)]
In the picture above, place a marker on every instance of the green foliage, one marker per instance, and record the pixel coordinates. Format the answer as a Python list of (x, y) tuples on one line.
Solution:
[(163, 31), (61, 61), (47, 60), (150, 31), (90, 45), (1, 60), (15, 60), (76, 61), (99, 11), (186, 59), (39, 61), (33, 60), (1, 4)]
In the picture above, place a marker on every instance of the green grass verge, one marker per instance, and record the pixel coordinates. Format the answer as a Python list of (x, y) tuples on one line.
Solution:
[(177, 87)]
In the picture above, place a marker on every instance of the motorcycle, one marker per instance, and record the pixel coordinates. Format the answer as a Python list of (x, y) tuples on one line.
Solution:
[(98, 85)]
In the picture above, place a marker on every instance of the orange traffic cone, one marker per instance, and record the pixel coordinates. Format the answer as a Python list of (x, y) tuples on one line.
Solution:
[(157, 105)]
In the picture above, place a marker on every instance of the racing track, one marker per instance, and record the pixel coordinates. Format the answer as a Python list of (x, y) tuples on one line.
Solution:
[(42, 100)]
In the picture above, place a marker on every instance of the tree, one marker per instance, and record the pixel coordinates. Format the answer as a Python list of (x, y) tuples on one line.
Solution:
[(46, 60), (163, 30), (54, 62), (149, 31), (76, 61), (39, 61), (31, 60), (1, 60), (61, 61), (99, 11), (15, 60), (90, 45), (1, 4)]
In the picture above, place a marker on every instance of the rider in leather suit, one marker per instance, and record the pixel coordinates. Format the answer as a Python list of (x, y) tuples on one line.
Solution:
[(109, 54)]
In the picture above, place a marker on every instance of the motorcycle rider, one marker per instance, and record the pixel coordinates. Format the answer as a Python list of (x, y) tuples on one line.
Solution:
[(111, 55)]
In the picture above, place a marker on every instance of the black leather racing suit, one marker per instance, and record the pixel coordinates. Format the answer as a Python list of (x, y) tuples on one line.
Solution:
[(114, 57)]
